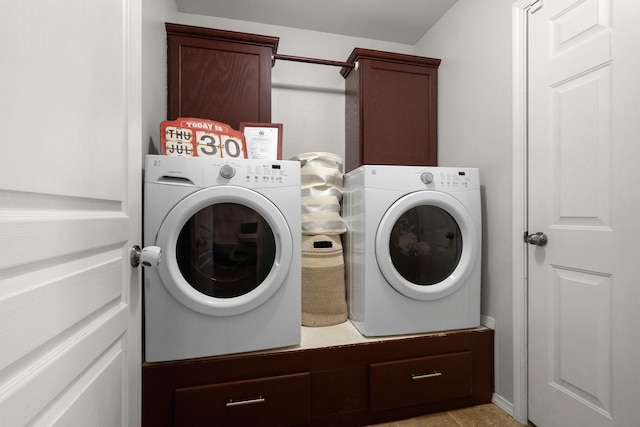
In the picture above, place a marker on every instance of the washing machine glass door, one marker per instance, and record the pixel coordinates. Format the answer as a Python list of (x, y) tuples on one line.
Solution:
[(426, 245), (226, 250)]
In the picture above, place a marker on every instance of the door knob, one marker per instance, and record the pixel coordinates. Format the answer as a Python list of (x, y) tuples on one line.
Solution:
[(149, 256), (538, 239)]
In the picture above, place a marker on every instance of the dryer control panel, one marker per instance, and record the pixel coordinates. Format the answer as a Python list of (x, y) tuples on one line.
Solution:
[(253, 173), (454, 179), (414, 178), (208, 172)]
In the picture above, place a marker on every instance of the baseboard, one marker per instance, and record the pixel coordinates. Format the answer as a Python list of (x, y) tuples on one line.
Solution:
[(488, 322), (502, 403)]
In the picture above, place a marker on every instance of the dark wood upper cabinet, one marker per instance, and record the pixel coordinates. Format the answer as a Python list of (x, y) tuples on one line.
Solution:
[(390, 109), (219, 75)]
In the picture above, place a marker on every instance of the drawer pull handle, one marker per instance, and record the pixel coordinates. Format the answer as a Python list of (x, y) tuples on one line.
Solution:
[(423, 376), (255, 400)]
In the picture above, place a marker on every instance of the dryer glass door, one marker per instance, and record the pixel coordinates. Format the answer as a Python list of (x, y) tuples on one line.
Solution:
[(226, 250), (426, 245)]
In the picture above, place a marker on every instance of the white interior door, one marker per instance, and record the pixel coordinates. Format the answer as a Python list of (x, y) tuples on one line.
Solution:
[(69, 212), (584, 292)]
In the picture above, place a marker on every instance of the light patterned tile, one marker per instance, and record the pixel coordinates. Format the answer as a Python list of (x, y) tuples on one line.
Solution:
[(488, 415), (434, 420)]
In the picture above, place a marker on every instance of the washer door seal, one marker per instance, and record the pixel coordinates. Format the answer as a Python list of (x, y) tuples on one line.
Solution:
[(466, 263), (167, 238)]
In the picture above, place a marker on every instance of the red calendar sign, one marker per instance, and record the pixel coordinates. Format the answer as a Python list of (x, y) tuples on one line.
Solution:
[(201, 138)]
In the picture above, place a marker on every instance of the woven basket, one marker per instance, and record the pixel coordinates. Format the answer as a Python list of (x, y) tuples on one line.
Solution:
[(323, 287)]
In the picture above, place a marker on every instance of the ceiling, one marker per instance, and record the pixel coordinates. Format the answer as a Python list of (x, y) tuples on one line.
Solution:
[(400, 21)]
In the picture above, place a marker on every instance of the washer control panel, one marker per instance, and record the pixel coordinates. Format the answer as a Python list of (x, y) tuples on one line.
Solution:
[(451, 179), (265, 173), (252, 173), (415, 178), (207, 172)]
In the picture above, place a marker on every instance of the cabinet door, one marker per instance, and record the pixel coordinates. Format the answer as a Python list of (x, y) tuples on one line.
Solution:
[(418, 381), (398, 114), (391, 109), (275, 401), (219, 75)]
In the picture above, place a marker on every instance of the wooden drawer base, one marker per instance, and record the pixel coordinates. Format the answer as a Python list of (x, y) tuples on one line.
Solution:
[(421, 380), (344, 385), (275, 401)]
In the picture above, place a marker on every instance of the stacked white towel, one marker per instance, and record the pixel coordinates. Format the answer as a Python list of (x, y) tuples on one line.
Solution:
[(322, 188)]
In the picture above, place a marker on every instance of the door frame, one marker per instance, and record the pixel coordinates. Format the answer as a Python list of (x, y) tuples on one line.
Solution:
[(520, 42)]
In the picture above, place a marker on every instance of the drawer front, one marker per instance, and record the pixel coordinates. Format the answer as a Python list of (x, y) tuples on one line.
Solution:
[(272, 401), (419, 381)]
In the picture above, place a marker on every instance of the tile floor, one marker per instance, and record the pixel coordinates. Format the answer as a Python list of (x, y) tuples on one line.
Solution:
[(488, 415)]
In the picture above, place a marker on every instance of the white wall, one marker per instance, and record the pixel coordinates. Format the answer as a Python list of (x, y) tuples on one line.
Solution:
[(154, 68), (474, 129)]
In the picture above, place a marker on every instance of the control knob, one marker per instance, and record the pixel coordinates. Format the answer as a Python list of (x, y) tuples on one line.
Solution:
[(227, 171), (426, 177)]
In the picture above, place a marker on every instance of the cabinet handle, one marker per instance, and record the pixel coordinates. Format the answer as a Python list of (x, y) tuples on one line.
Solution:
[(423, 376), (252, 401)]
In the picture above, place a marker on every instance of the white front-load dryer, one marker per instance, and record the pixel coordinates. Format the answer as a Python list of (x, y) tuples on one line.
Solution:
[(412, 249), (229, 277)]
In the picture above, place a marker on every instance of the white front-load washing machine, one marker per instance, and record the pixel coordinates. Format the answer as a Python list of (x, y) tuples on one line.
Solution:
[(229, 276), (412, 249)]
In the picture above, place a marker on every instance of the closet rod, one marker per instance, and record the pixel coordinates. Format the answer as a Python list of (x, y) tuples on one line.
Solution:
[(315, 61)]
